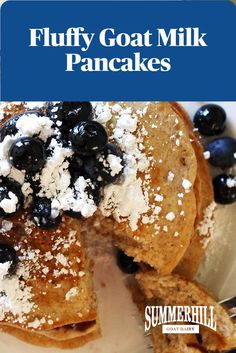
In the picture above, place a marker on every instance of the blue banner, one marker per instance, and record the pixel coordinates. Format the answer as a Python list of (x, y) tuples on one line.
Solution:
[(118, 50)]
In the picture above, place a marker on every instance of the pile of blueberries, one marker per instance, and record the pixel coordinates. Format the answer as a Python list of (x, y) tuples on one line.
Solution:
[(210, 120), (77, 130)]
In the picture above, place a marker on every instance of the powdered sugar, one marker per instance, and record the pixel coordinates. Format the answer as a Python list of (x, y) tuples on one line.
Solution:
[(170, 216), (35, 125), (170, 176), (55, 177), (207, 154), (16, 297), (34, 105), (5, 168), (115, 164), (206, 225), (4, 268), (9, 204), (71, 293), (127, 122), (120, 199), (6, 226), (55, 183), (103, 112), (186, 185), (231, 182)]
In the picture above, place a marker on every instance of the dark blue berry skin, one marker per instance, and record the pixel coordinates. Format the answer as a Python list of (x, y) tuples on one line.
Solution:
[(126, 263), (223, 193), (88, 138), (75, 167), (72, 214), (34, 183), (222, 152), (71, 113), (97, 169), (210, 119), (52, 109), (95, 192), (90, 168), (9, 127), (7, 186), (27, 153), (8, 254), (41, 213)]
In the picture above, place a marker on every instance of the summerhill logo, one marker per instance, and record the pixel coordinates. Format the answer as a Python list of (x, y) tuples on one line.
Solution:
[(188, 318)]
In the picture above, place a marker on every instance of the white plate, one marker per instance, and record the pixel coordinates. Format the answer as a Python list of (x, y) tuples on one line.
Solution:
[(121, 324)]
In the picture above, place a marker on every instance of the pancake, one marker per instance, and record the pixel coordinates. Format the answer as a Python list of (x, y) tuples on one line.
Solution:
[(203, 190), (162, 243), (32, 337), (162, 343), (59, 277), (175, 290)]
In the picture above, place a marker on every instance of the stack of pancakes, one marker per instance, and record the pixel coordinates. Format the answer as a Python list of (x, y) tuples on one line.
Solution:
[(64, 311), (171, 246)]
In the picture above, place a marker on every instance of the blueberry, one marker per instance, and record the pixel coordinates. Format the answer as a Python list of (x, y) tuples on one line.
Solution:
[(9, 127), (88, 138), (224, 189), (91, 168), (98, 167), (73, 214), (27, 153), (42, 214), (8, 191), (210, 119), (126, 263), (75, 167), (52, 109), (71, 113), (96, 194), (222, 152), (8, 254)]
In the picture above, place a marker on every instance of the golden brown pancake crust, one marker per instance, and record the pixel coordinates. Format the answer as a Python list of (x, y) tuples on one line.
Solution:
[(43, 341), (203, 189)]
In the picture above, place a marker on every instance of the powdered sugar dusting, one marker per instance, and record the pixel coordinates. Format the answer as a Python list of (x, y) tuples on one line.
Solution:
[(71, 293), (205, 227), (16, 297), (35, 125), (9, 204), (231, 182), (128, 200)]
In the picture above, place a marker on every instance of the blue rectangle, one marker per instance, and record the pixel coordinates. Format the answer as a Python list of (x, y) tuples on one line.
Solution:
[(197, 72)]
